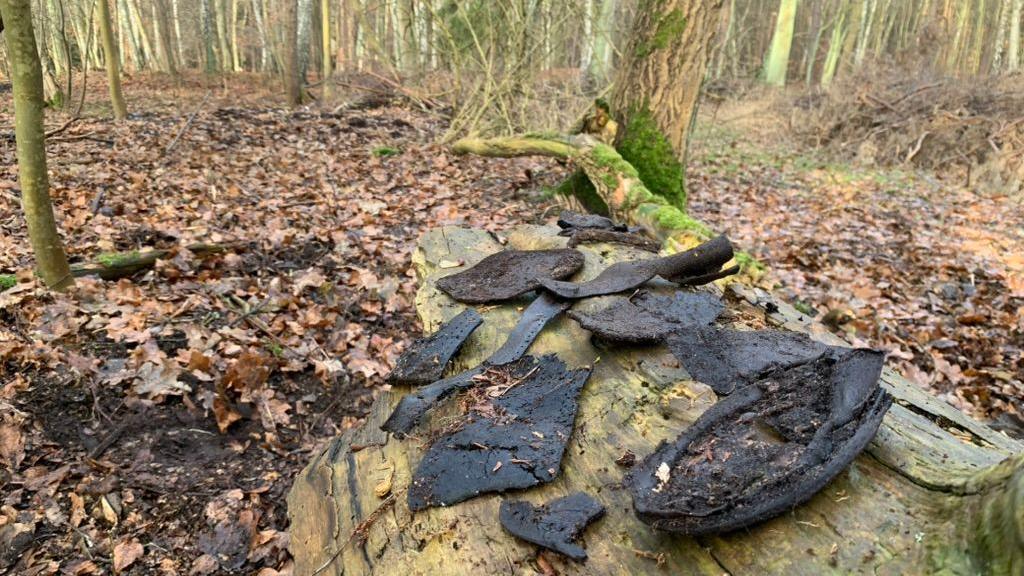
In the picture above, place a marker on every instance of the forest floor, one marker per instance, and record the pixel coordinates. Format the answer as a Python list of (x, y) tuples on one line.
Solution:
[(153, 425)]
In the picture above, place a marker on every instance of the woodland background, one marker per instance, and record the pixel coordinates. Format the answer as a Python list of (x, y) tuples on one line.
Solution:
[(870, 153)]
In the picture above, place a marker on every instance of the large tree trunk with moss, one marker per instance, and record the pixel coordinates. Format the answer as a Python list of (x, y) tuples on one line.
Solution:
[(27, 80), (112, 62), (935, 491), (657, 86)]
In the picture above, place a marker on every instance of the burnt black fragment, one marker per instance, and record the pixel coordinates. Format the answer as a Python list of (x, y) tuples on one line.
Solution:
[(648, 317), (765, 449), (708, 258), (555, 525), (570, 221), (426, 359), (727, 359), (591, 235), (415, 404), (508, 274), (513, 437)]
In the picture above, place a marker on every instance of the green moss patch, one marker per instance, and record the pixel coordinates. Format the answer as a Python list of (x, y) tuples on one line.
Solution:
[(669, 27), (646, 148), (582, 188), (385, 151), (117, 259), (7, 281)]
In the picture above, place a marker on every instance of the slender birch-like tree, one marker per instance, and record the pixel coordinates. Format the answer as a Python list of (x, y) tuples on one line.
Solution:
[(30, 141), (782, 41), (112, 61)]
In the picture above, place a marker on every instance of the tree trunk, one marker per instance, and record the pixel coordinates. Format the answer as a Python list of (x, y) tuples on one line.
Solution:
[(27, 81), (112, 61), (290, 56), (922, 498), (1013, 57), (777, 63), (657, 86), (835, 46), (325, 37)]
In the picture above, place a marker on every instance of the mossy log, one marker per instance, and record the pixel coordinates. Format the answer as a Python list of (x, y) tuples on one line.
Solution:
[(935, 492), (117, 265), (616, 181)]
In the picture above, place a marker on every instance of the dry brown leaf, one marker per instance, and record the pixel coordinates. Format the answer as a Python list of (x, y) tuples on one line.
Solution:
[(126, 553)]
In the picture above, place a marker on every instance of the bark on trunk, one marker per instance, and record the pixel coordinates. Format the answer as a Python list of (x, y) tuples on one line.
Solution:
[(930, 494), (112, 61), (657, 86), (290, 54), (27, 80)]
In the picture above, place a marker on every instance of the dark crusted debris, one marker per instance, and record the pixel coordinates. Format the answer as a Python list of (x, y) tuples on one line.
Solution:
[(728, 359), (513, 437), (571, 222), (508, 274), (591, 236), (703, 261), (415, 404), (555, 525), (765, 449), (424, 361), (647, 317)]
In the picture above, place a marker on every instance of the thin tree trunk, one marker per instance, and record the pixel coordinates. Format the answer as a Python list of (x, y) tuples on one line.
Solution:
[(325, 33), (292, 82), (1002, 30), (236, 65), (112, 62), (777, 63), (27, 80), (177, 33), (209, 57), (1013, 60), (835, 46), (221, 8), (257, 13)]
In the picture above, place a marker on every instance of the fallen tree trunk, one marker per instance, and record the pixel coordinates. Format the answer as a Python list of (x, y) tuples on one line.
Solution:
[(117, 265), (935, 492)]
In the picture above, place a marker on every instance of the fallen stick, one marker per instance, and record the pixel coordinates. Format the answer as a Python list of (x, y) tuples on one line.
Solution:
[(114, 266)]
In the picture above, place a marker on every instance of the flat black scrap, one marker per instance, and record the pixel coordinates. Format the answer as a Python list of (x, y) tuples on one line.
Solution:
[(414, 405), (555, 525), (425, 360), (700, 262), (593, 235), (515, 439), (765, 449), (648, 318), (727, 359), (509, 273), (570, 221)]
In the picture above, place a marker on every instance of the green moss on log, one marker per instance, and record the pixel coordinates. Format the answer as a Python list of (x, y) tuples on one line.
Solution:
[(118, 259), (646, 149), (7, 281), (669, 27), (579, 186)]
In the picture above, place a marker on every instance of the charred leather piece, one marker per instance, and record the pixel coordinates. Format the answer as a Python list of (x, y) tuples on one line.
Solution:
[(514, 437), (570, 222), (592, 235), (425, 360), (415, 404), (765, 449), (649, 318), (555, 525), (727, 359), (508, 274), (708, 258)]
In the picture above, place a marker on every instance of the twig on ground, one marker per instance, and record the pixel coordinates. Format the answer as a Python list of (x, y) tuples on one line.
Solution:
[(187, 123)]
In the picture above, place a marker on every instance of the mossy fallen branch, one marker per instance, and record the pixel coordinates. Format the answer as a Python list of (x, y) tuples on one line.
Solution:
[(616, 183), (116, 265)]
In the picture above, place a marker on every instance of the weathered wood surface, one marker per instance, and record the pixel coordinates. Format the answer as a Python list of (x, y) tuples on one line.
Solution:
[(928, 496)]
